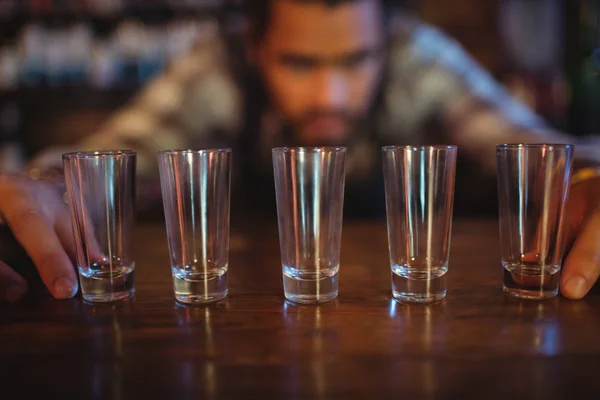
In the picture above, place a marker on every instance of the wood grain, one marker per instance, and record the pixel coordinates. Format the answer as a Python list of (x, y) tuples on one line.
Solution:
[(476, 344)]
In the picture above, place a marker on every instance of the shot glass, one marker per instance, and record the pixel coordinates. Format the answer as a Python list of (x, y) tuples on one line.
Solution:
[(309, 186), (533, 185), (196, 188), (419, 188), (101, 192)]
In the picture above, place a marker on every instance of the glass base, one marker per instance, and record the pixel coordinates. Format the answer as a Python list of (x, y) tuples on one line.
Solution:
[(193, 287), (108, 297), (419, 286), (530, 281), (310, 287), (192, 299), (107, 285), (311, 299), (525, 294), (415, 298)]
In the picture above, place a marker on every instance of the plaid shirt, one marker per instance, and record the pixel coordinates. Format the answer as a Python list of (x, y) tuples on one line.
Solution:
[(431, 86)]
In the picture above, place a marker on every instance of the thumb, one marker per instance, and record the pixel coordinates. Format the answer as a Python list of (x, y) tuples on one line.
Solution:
[(582, 266)]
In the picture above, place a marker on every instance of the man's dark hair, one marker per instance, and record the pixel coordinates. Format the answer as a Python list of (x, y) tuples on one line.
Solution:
[(259, 12)]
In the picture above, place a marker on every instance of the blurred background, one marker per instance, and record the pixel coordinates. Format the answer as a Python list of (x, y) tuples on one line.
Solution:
[(65, 65)]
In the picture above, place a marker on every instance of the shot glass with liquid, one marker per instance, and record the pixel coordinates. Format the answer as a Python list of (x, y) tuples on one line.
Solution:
[(309, 185), (533, 186), (101, 192), (419, 189), (196, 196)]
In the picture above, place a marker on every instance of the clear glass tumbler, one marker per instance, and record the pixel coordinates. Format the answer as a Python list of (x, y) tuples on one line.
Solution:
[(533, 185), (419, 186), (309, 185), (101, 189), (196, 191)]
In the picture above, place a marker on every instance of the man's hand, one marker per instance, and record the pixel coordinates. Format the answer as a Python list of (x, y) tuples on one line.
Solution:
[(40, 221), (582, 266)]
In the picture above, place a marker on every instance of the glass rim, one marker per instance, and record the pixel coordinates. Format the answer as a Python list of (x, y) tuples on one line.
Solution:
[(515, 146), (215, 150), (98, 154), (309, 149), (424, 147)]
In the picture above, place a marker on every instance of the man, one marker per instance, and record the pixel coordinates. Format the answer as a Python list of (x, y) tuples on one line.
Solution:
[(315, 72)]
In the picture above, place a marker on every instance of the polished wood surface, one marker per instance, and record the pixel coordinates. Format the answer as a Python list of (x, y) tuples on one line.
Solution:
[(476, 344)]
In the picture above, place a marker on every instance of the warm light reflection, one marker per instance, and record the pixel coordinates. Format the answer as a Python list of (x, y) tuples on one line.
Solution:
[(210, 373), (305, 330), (189, 319), (318, 369), (418, 322), (107, 376)]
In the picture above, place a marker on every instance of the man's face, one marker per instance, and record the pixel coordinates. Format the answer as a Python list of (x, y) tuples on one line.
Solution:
[(321, 65)]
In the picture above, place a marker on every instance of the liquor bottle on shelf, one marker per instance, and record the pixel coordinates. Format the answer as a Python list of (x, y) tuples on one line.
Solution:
[(32, 43), (532, 34), (9, 68), (152, 55), (12, 158), (80, 43), (583, 64)]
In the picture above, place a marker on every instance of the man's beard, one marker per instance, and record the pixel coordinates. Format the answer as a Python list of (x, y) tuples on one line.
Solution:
[(294, 133)]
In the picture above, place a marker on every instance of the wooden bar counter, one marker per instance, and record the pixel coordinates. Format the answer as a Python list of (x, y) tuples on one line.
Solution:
[(477, 344)]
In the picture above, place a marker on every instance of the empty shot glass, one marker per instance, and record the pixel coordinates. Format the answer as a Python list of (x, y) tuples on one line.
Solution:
[(533, 185), (309, 185), (101, 193), (419, 188), (196, 196)]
